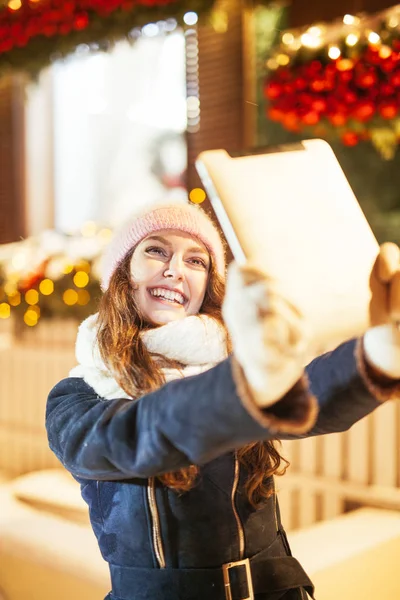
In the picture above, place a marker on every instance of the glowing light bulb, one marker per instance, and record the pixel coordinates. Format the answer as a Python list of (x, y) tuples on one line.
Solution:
[(151, 30), (83, 265), (31, 317), (32, 297), (190, 18), (315, 31), (68, 268), (385, 52), (89, 229), (46, 287), (271, 64), (15, 299), (352, 39), (310, 41), (70, 297), (83, 297), (288, 38), (349, 19), (10, 288), (282, 60), (334, 52), (374, 37), (197, 196), (81, 279), (14, 4), (5, 310)]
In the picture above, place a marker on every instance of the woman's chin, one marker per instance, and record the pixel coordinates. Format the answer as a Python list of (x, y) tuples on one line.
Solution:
[(162, 317)]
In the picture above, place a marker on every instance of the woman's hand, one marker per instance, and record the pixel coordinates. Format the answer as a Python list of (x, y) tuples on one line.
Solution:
[(382, 343), (267, 333)]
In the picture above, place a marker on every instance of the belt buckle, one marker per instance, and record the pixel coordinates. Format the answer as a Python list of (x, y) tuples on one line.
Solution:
[(227, 584)]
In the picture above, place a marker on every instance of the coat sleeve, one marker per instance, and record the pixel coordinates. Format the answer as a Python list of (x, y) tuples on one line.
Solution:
[(187, 421), (346, 388), (194, 420)]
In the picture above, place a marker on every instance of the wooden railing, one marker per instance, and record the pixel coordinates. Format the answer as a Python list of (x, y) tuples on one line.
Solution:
[(30, 366), (333, 473)]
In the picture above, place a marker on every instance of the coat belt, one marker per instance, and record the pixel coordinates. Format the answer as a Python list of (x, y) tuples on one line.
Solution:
[(272, 576)]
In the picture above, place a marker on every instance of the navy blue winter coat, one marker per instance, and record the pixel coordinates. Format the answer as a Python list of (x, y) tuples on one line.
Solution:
[(162, 545)]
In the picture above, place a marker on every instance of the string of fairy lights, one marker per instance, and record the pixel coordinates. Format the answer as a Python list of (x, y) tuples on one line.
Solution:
[(72, 283), (339, 37), (46, 287)]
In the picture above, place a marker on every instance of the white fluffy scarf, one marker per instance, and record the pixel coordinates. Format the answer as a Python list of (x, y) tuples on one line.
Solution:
[(198, 342)]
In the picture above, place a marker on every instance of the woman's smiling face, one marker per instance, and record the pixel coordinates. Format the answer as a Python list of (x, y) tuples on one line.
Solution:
[(170, 272)]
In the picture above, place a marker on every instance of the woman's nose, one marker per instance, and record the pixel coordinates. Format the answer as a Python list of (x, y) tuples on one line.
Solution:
[(175, 268)]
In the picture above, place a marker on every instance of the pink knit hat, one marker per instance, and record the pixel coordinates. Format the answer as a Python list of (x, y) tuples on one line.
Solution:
[(189, 218)]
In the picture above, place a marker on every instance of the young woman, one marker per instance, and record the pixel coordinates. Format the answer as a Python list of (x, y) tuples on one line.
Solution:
[(169, 426)]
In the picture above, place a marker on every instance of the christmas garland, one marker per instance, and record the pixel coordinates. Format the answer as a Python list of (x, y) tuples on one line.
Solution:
[(33, 33), (52, 276), (340, 81)]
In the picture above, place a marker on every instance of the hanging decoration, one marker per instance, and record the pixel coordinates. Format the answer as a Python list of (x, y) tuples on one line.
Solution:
[(340, 80), (33, 33), (52, 275)]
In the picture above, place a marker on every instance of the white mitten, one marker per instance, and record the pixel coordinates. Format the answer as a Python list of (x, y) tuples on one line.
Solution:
[(382, 343), (382, 349), (267, 333)]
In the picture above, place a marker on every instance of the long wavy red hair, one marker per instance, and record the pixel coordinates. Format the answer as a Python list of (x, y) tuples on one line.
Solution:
[(136, 371)]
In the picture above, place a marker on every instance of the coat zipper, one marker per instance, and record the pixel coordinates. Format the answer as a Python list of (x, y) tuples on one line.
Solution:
[(235, 512), (157, 541), (275, 508)]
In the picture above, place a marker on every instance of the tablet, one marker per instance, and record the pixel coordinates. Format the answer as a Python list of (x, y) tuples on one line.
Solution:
[(291, 212)]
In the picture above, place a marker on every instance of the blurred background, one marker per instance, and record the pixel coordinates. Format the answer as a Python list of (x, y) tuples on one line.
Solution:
[(104, 106)]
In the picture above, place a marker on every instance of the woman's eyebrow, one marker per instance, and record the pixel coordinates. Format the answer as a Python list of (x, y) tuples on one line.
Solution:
[(158, 238), (198, 249)]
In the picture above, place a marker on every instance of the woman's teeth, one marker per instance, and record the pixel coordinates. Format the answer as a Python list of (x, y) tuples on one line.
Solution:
[(173, 297)]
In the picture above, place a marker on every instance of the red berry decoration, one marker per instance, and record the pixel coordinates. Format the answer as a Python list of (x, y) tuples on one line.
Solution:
[(311, 118), (395, 79), (300, 84), (337, 119), (291, 122), (273, 90), (386, 89), (81, 21), (319, 104), (350, 139), (367, 79), (363, 111), (318, 85), (388, 110), (348, 97), (388, 65), (275, 114)]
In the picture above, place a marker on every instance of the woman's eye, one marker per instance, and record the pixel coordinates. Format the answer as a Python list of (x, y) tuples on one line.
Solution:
[(156, 250), (199, 262)]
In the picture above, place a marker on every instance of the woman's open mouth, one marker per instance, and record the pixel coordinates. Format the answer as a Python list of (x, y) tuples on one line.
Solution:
[(168, 296)]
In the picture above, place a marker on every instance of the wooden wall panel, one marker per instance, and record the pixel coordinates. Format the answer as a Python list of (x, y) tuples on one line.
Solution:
[(305, 12), (221, 88), (12, 225)]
